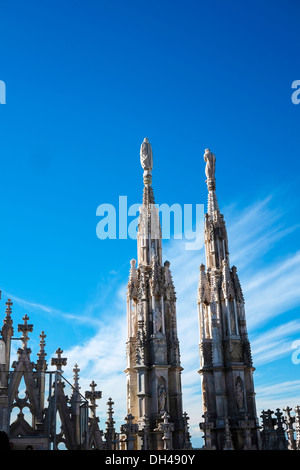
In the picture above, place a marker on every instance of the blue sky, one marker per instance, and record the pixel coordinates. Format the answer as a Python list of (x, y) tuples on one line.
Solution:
[(85, 83)]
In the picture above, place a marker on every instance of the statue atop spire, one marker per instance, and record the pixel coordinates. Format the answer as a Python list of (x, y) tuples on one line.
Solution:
[(210, 168), (146, 161), (146, 155)]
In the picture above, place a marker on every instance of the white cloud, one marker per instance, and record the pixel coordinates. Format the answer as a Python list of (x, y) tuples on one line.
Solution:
[(102, 358), (273, 291), (28, 304), (254, 231)]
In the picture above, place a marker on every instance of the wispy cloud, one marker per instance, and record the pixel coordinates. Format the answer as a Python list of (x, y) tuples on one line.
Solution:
[(273, 290), (255, 230), (27, 303), (102, 358), (278, 395), (274, 343), (33, 306)]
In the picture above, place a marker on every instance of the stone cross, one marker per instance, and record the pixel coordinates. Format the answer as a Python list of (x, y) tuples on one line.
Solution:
[(25, 329), (130, 429), (8, 304), (267, 419), (92, 396), (289, 420), (167, 428), (207, 426), (186, 434), (59, 361)]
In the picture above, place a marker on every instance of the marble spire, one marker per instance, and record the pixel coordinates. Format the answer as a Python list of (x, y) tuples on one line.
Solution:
[(152, 348), (225, 355)]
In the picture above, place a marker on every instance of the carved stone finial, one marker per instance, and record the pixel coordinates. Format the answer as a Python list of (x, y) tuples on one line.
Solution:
[(110, 433), (7, 329), (76, 371), (8, 304), (42, 352)]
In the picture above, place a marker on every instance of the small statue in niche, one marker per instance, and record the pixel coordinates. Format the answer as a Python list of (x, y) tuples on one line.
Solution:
[(232, 320), (158, 320), (239, 394), (162, 395), (140, 313), (133, 321), (168, 279), (206, 323), (173, 310)]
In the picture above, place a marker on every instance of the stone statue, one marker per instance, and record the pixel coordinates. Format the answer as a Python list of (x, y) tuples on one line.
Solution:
[(162, 398), (158, 320), (146, 155), (239, 394), (210, 160), (140, 312), (206, 324), (232, 320)]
